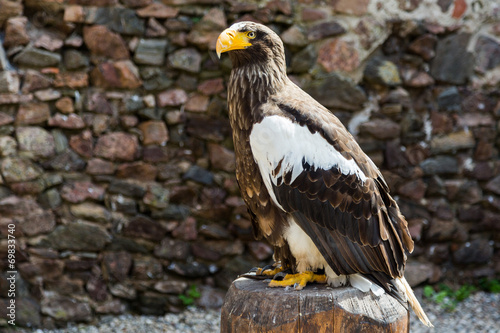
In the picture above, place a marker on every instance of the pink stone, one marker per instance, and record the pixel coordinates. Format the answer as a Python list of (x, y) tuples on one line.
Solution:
[(97, 166), (197, 103), (81, 191), (129, 121), (221, 157), (338, 55), (211, 87), (103, 42), (459, 9), (117, 146), (154, 132), (419, 79), (122, 74), (6, 119), (71, 79), (74, 14), (32, 113), (82, 143), (172, 97), (158, 10), (137, 170), (313, 14), (15, 32), (65, 105), (186, 230), (353, 7), (49, 42), (71, 121)]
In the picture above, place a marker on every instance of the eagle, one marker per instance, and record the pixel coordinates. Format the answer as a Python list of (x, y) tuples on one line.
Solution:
[(312, 192)]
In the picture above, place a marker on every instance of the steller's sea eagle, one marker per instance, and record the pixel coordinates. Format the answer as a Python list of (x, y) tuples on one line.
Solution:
[(312, 192)]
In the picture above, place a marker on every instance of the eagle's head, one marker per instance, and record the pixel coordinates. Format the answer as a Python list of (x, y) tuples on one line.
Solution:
[(250, 42)]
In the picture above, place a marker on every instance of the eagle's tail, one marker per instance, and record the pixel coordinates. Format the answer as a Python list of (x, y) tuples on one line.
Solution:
[(405, 289)]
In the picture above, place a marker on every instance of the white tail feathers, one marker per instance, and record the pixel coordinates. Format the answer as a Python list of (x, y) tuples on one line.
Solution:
[(365, 285), (405, 289)]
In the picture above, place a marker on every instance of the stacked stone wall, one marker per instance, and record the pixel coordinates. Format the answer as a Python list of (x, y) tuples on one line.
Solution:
[(116, 159)]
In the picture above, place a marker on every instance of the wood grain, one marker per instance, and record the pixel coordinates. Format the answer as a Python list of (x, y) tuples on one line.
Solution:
[(251, 306)]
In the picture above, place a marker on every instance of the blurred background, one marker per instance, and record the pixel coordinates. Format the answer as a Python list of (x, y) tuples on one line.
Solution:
[(116, 159)]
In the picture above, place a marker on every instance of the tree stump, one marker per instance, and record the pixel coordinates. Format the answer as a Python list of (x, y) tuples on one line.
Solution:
[(252, 306)]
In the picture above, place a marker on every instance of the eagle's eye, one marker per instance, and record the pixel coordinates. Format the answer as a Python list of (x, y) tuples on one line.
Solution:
[(251, 34)]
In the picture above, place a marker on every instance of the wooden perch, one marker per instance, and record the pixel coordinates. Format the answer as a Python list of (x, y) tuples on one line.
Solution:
[(251, 306)]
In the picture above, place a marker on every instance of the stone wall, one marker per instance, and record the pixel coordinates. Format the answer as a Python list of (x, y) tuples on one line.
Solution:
[(116, 159)]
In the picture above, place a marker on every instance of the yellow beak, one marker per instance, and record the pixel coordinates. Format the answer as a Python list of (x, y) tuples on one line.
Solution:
[(231, 39)]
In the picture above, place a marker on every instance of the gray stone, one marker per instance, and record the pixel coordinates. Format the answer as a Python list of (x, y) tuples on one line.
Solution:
[(50, 199), (188, 59), (211, 298), (28, 312), (8, 146), (439, 165), (147, 268), (294, 37), (348, 95), (154, 78), (323, 30), (478, 251), (31, 56), (191, 270), (453, 63), (38, 222), (150, 51), (78, 236), (91, 211), (171, 287), (144, 227), (65, 308), (382, 129), (449, 100), (304, 60), (4, 62), (36, 140), (383, 72), (66, 161), (74, 59), (494, 185), (417, 273), (172, 249), (487, 53), (9, 82), (15, 169), (172, 212), (116, 265), (121, 20), (119, 203), (156, 196), (200, 175), (126, 188), (452, 142)]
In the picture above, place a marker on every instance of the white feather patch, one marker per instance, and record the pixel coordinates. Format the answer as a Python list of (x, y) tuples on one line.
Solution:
[(278, 139)]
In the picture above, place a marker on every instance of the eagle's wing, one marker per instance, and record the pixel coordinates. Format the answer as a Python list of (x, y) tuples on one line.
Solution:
[(333, 191)]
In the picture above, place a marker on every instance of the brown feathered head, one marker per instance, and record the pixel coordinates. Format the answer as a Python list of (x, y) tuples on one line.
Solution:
[(250, 42)]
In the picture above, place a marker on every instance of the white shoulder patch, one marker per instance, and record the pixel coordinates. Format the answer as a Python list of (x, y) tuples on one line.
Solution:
[(278, 139)]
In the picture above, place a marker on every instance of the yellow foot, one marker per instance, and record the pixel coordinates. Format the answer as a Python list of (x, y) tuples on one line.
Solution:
[(268, 271), (298, 281)]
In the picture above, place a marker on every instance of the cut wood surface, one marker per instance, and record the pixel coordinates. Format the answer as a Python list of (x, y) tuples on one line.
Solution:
[(252, 306)]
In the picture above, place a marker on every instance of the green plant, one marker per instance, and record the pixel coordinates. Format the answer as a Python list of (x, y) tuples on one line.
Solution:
[(191, 295), (490, 285), (446, 296)]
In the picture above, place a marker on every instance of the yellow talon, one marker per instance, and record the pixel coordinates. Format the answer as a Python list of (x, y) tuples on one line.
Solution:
[(273, 272), (299, 281)]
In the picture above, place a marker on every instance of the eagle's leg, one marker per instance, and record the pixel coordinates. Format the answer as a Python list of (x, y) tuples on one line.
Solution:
[(299, 281)]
